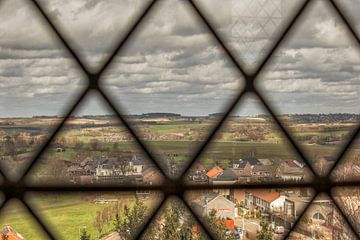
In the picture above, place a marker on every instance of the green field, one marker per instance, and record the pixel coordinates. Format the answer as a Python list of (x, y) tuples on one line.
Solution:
[(65, 215)]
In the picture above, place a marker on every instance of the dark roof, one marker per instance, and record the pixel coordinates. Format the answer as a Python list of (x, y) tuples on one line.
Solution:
[(137, 161), (251, 160), (241, 163), (228, 174), (106, 166)]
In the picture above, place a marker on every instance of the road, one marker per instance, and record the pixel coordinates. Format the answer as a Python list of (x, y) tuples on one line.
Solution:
[(250, 226)]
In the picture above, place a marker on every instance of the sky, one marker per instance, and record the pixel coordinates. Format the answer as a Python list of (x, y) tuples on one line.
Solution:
[(171, 63)]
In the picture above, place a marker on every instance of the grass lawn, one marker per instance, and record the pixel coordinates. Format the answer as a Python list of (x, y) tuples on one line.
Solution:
[(64, 214), (15, 214)]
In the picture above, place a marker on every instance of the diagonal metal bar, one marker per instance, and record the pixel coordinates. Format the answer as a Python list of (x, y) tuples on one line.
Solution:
[(211, 135), (343, 152), (56, 131), (134, 135), (3, 203), (249, 80), (297, 221), (198, 220), (55, 30), (38, 220), (23, 186), (2, 175), (357, 39), (279, 41), (343, 215), (151, 219), (218, 39), (345, 21), (287, 135), (127, 36)]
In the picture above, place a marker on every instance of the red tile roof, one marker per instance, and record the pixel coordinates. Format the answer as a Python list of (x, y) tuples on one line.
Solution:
[(264, 194), (214, 172), (11, 233)]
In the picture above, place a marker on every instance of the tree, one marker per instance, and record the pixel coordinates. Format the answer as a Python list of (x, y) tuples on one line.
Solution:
[(84, 235), (99, 223), (105, 215), (152, 232), (265, 233), (132, 218), (172, 223), (10, 147), (217, 227), (186, 231), (138, 213)]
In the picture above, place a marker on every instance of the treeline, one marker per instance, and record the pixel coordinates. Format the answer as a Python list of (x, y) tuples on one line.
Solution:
[(323, 118)]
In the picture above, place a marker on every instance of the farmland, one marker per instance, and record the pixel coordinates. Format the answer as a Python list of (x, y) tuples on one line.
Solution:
[(168, 138), (87, 142)]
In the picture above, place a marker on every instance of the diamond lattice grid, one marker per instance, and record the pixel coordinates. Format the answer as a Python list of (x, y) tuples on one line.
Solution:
[(170, 187)]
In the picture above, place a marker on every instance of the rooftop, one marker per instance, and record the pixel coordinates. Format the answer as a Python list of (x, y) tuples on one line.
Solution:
[(264, 194), (214, 172)]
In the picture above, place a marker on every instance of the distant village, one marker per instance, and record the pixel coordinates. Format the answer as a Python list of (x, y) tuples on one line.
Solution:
[(126, 168), (251, 169)]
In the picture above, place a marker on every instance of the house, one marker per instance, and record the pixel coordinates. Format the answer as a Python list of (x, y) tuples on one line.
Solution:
[(238, 196), (105, 170), (214, 172), (226, 177), (246, 174), (197, 173), (136, 166), (263, 171), (11, 233), (291, 170), (211, 200), (242, 162), (264, 200)]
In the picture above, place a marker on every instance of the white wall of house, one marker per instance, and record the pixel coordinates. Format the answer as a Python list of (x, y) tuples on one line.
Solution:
[(292, 177), (137, 169), (223, 206), (278, 203)]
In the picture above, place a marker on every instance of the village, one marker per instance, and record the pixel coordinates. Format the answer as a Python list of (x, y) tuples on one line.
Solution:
[(251, 170), (244, 211), (126, 168), (95, 150)]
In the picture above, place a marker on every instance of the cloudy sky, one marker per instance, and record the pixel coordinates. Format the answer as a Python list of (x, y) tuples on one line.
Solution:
[(317, 67), (171, 63), (37, 76)]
